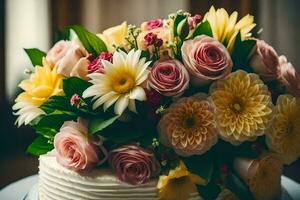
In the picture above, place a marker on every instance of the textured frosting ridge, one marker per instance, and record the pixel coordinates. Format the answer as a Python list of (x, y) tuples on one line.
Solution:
[(59, 183)]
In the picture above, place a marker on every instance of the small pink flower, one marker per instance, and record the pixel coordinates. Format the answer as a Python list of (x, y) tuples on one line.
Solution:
[(168, 77), (133, 164), (194, 21), (76, 150), (289, 77), (153, 102), (154, 23), (96, 64), (150, 39), (58, 51), (75, 99), (265, 61), (206, 59)]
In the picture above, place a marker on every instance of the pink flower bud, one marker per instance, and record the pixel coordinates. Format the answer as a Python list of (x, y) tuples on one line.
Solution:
[(154, 23), (75, 99)]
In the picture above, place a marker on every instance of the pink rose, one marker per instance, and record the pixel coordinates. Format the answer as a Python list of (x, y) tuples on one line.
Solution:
[(75, 149), (289, 76), (58, 51), (206, 59), (194, 21), (96, 65), (152, 24), (133, 164), (168, 77), (265, 61)]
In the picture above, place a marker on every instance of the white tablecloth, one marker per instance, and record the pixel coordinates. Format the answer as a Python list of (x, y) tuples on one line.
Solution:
[(19, 189)]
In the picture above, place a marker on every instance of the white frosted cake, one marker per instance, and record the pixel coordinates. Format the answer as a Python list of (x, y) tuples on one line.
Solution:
[(59, 183)]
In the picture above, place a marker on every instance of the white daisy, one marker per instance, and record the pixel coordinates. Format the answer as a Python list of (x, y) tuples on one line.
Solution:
[(121, 82)]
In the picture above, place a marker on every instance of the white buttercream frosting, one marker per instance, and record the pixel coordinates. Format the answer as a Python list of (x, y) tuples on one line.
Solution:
[(59, 183)]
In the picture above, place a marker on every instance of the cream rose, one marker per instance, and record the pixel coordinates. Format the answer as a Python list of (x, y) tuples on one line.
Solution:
[(75, 149), (115, 36), (58, 51), (206, 59)]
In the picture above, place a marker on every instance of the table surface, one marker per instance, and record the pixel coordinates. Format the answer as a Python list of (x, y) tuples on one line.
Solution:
[(19, 189)]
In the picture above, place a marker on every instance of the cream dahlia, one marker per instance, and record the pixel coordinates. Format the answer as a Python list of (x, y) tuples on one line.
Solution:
[(43, 83), (243, 106), (225, 28), (121, 82), (188, 127), (283, 136), (263, 175)]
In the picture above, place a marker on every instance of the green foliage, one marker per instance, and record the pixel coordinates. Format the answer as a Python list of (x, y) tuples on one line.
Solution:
[(99, 124), (75, 85), (40, 146), (35, 56), (242, 52), (237, 186), (91, 42), (179, 17), (201, 165), (183, 29), (209, 191), (203, 28)]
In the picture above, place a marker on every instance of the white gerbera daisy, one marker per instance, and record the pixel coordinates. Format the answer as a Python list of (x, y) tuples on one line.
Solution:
[(121, 82)]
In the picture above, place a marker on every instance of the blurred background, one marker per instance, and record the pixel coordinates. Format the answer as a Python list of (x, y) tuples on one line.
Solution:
[(35, 23)]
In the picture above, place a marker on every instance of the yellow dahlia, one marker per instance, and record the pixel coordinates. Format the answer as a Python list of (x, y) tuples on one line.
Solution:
[(43, 83), (243, 106), (263, 175), (188, 127), (179, 184), (283, 136), (121, 82), (225, 28)]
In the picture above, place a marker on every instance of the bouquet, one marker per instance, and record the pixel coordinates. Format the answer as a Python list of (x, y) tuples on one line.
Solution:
[(197, 102)]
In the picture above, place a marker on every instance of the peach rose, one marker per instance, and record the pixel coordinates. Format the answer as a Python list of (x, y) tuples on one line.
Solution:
[(70, 57), (265, 61), (75, 149), (58, 51), (206, 59), (289, 76)]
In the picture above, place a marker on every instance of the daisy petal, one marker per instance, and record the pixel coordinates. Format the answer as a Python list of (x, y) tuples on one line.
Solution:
[(138, 93), (121, 105)]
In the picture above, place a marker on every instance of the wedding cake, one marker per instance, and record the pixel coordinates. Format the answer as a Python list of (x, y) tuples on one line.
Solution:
[(186, 107)]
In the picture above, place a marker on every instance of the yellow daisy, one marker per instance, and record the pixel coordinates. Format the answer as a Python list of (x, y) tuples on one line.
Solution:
[(179, 184), (243, 106), (121, 82), (225, 28), (42, 84), (283, 136)]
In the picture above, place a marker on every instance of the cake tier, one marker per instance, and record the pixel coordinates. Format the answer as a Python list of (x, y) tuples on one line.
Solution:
[(59, 183)]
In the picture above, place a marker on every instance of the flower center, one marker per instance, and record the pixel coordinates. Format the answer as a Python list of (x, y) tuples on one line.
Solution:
[(237, 106), (123, 84), (190, 122)]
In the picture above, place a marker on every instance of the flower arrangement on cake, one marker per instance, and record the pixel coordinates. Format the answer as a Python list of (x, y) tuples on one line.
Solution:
[(196, 102)]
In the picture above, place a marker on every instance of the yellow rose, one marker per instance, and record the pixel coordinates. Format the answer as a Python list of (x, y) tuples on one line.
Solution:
[(115, 36)]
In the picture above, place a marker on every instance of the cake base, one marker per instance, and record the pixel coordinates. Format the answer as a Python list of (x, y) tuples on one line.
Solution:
[(57, 182)]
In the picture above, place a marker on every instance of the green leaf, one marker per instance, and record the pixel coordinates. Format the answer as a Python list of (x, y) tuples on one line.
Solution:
[(75, 85), (40, 146), (91, 42), (54, 120), (209, 191), (203, 28), (177, 20), (35, 56), (61, 103), (201, 165), (183, 29), (99, 124), (242, 52)]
